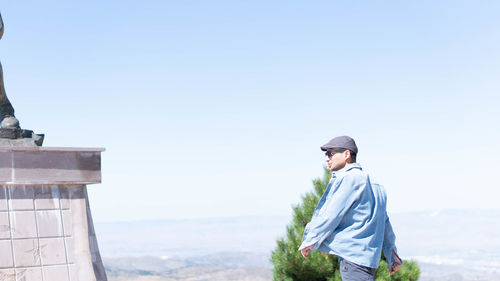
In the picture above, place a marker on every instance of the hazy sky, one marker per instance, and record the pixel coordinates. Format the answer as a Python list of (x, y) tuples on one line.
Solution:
[(218, 108)]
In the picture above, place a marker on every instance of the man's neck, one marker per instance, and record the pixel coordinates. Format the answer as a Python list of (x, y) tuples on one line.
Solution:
[(345, 168)]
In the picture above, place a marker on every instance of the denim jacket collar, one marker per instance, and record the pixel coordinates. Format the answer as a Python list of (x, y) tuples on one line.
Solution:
[(348, 167)]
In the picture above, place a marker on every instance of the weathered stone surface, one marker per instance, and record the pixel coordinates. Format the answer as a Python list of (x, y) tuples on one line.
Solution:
[(46, 228), (20, 137), (44, 165)]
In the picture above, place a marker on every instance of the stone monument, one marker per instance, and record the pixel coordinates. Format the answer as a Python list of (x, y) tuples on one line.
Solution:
[(46, 228)]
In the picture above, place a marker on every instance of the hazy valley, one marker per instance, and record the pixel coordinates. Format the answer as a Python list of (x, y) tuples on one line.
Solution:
[(449, 245)]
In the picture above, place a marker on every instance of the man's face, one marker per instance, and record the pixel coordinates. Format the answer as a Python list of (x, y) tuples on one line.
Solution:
[(336, 159)]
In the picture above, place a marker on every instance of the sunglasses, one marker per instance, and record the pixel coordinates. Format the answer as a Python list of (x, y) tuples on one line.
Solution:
[(330, 152)]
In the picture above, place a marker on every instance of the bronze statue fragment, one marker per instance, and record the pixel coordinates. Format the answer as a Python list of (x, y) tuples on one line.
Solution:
[(6, 110), (11, 133)]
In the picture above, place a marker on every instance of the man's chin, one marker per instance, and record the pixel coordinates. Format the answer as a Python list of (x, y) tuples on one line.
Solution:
[(333, 168)]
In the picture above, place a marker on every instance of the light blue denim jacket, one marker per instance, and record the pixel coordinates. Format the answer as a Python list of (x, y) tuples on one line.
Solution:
[(351, 220)]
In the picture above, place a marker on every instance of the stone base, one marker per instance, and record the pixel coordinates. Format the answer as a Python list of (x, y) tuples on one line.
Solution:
[(19, 137), (47, 233), (46, 228)]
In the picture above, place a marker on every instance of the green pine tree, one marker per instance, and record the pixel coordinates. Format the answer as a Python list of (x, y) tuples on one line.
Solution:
[(289, 265)]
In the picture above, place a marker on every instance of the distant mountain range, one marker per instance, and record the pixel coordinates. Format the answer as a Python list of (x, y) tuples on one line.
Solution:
[(220, 266), (457, 243), (449, 245), (186, 238)]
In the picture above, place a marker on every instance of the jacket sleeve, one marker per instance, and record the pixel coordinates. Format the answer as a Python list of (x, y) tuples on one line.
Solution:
[(343, 194), (389, 244)]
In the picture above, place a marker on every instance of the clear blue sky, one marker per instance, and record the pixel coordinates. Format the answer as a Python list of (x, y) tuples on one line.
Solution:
[(218, 108)]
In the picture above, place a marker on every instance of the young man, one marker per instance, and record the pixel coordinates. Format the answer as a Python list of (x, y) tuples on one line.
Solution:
[(350, 220)]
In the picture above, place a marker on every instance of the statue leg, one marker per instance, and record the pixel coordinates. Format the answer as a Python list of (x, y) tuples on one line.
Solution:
[(8, 120), (6, 108)]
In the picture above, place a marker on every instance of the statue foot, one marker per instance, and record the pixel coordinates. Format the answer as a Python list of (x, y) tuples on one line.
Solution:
[(10, 122)]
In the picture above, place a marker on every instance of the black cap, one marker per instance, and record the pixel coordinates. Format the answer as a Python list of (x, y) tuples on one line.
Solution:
[(344, 142)]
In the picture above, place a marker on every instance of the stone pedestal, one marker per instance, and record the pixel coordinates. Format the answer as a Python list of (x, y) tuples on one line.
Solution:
[(46, 228)]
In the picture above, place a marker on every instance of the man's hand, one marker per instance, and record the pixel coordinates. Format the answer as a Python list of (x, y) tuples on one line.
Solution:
[(397, 263), (306, 251)]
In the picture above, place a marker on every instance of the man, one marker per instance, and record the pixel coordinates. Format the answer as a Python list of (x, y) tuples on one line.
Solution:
[(350, 220), (7, 118)]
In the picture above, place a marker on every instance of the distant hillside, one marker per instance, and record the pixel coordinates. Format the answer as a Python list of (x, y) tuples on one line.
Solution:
[(186, 238), (461, 244), (451, 244), (221, 267)]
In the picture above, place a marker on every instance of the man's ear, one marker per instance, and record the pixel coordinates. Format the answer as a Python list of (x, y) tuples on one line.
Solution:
[(347, 155)]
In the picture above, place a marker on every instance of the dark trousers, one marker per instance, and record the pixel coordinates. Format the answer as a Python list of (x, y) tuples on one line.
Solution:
[(355, 272)]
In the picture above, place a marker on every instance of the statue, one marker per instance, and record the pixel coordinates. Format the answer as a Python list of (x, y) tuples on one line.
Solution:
[(11, 133), (6, 109)]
